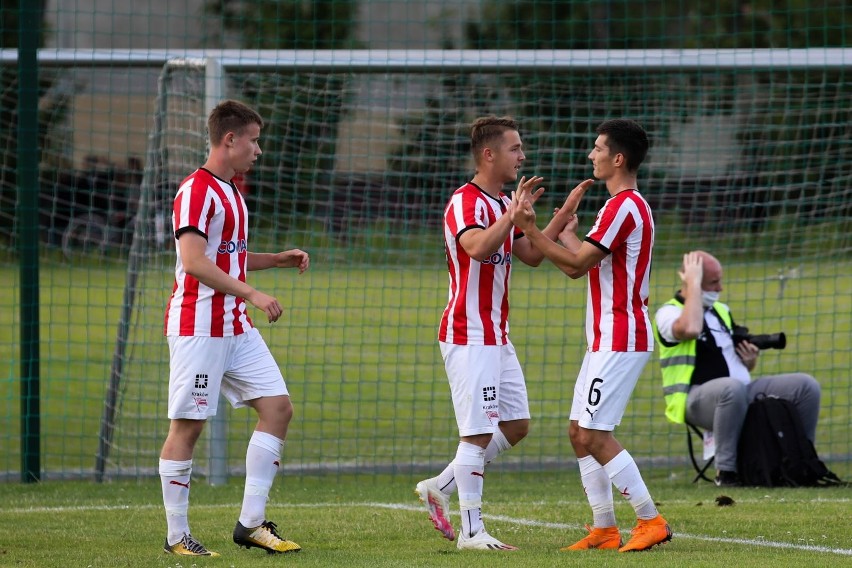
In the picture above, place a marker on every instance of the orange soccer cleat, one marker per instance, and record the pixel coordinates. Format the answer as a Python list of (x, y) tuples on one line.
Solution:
[(647, 534)]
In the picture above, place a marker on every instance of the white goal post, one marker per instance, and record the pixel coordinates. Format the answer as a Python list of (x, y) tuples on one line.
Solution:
[(387, 60)]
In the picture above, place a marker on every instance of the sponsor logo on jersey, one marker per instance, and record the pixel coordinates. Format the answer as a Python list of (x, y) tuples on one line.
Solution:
[(499, 258), (230, 247), (201, 381), (489, 394)]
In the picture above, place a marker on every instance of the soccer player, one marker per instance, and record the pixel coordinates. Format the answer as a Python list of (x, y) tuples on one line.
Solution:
[(616, 256), (213, 345), (486, 382)]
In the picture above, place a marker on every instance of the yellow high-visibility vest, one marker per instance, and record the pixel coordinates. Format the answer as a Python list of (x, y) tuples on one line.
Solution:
[(677, 364)]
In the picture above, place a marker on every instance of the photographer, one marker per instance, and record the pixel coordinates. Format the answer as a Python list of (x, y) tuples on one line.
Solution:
[(706, 369)]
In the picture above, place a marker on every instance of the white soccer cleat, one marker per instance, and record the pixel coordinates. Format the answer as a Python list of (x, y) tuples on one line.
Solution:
[(482, 541), (437, 505)]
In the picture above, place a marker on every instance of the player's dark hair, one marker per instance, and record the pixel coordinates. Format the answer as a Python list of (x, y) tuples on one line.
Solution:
[(230, 116), (628, 138), (488, 130)]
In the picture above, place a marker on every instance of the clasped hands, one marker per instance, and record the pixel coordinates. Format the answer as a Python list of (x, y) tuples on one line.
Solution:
[(521, 210)]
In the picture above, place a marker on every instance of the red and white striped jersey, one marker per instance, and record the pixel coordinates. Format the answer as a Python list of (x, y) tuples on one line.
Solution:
[(477, 311), (617, 303), (213, 208)]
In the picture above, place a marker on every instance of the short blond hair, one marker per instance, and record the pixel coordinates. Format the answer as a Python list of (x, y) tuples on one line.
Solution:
[(488, 130)]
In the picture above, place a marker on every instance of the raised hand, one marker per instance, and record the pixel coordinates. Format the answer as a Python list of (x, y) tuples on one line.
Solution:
[(572, 202), (692, 271), (521, 210), (526, 186)]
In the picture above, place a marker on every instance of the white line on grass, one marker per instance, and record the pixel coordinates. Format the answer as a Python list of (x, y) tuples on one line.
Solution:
[(404, 507), (561, 526)]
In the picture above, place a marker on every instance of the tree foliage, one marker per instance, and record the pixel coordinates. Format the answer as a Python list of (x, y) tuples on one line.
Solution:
[(288, 24), (657, 24), (302, 110)]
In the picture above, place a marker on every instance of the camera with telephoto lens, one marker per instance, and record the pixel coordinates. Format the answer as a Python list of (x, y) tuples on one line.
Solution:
[(763, 341)]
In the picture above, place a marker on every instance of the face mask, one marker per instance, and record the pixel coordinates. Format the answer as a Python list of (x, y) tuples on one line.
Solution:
[(709, 298)]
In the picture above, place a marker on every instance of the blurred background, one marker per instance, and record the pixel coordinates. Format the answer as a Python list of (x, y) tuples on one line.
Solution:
[(367, 105)]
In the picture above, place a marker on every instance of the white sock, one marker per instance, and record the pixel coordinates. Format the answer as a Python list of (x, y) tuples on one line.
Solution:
[(598, 488), (262, 461), (174, 477), (469, 467), (497, 445), (624, 473), (447, 479)]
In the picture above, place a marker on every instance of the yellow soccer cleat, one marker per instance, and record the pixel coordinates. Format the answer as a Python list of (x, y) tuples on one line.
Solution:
[(188, 546), (266, 537)]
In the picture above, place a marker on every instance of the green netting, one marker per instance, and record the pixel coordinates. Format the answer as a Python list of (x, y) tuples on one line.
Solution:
[(749, 161)]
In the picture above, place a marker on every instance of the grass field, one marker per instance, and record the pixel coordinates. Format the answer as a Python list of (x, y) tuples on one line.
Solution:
[(376, 521)]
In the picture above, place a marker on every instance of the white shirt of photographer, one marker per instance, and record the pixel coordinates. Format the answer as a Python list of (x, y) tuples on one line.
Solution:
[(668, 314)]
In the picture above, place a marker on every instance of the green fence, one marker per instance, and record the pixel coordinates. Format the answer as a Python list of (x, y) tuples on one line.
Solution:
[(366, 139)]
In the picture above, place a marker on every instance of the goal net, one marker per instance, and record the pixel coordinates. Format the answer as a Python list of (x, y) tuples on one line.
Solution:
[(749, 160)]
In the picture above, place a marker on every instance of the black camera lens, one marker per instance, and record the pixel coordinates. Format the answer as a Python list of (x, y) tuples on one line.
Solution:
[(768, 341)]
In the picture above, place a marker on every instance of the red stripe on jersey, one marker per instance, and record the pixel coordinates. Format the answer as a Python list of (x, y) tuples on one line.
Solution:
[(187, 312), (175, 207), (190, 284), (644, 336), (460, 323), (242, 257), (594, 308), (454, 284), (620, 284), (504, 305), (486, 288), (223, 261)]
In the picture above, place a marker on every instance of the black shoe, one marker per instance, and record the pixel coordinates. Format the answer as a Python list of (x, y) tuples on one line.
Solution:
[(264, 536), (727, 479)]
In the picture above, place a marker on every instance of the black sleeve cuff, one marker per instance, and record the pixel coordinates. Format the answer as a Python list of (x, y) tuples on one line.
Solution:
[(189, 229), (469, 227), (597, 244)]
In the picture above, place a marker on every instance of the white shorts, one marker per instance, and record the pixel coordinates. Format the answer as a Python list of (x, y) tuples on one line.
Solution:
[(240, 367), (487, 386), (604, 386)]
